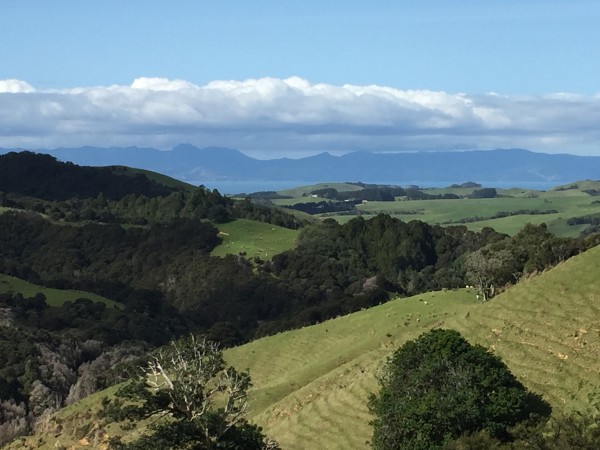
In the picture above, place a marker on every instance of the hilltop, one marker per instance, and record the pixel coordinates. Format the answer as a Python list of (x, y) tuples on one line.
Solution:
[(43, 176)]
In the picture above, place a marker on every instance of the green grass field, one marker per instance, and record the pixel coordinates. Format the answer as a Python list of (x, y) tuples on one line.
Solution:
[(568, 200), (54, 297), (311, 385), (255, 238), (340, 187), (570, 203)]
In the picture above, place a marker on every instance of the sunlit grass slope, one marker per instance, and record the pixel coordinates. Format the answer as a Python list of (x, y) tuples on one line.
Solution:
[(54, 297), (312, 384), (254, 238)]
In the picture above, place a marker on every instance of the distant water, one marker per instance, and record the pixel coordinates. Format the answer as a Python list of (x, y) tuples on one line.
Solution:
[(238, 187)]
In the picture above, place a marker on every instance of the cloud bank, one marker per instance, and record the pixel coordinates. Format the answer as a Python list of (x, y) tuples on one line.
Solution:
[(274, 117)]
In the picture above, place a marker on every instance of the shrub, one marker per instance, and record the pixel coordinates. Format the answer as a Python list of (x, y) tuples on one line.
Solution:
[(439, 387)]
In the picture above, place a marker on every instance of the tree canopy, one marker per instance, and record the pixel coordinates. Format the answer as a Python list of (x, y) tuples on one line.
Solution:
[(439, 387)]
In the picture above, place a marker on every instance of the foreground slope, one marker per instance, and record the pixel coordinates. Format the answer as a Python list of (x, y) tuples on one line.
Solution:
[(312, 384)]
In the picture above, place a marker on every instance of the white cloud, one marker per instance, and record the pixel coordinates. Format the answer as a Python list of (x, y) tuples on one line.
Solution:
[(161, 84), (293, 115), (14, 87)]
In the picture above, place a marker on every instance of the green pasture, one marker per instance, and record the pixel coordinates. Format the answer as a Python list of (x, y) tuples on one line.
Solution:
[(254, 238), (312, 384), (295, 200), (581, 185), (54, 297), (298, 191), (569, 204)]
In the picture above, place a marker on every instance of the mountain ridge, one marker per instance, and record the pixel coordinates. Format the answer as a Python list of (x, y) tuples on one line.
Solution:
[(192, 164)]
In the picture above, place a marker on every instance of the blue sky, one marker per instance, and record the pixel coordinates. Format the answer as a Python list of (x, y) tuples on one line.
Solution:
[(57, 56)]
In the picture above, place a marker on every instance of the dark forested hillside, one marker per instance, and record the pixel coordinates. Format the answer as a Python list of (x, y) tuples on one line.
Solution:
[(67, 192), (42, 176)]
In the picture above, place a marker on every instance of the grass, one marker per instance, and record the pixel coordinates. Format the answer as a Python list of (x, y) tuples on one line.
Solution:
[(298, 191), (584, 184), (54, 297), (312, 384), (570, 203), (254, 238), (296, 200)]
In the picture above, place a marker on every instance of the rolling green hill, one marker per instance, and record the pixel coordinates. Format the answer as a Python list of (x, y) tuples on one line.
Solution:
[(507, 213), (311, 384), (305, 190), (558, 206)]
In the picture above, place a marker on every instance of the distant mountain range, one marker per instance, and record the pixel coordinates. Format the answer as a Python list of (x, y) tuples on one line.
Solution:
[(188, 163)]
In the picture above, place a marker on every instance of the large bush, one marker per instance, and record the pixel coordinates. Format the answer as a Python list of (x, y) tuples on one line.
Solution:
[(439, 387)]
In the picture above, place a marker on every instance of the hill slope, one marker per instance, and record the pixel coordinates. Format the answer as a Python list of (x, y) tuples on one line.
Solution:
[(312, 384), (255, 239), (42, 176)]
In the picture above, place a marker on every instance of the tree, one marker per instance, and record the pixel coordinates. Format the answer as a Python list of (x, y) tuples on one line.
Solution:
[(439, 387), (488, 269), (194, 400)]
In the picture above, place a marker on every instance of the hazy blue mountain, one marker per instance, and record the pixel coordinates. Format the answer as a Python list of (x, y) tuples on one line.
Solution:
[(192, 164)]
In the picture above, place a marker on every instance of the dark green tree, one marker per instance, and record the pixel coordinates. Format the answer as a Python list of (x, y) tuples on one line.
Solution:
[(193, 400), (439, 387)]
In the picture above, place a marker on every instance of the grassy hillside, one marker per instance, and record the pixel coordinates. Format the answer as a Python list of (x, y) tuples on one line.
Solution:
[(312, 384), (54, 297), (299, 191), (567, 203), (255, 238)]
